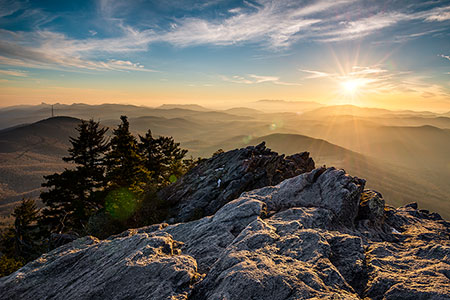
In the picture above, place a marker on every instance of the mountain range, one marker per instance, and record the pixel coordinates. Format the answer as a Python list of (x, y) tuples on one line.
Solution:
[(402, 154)]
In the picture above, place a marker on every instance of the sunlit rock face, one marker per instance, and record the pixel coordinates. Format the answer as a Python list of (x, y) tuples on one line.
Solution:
[(221, 179), (318, 235)]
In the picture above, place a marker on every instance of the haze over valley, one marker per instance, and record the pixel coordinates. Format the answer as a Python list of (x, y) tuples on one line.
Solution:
[(402, 154)]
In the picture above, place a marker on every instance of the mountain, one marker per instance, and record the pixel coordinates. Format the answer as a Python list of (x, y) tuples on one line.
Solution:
[(347, 109), (16, 115), (398, 184), (420, 146), (48, 136), (195, 107), (284, 106), (317, 235), (404, 163), (29, 152), (243, 111)]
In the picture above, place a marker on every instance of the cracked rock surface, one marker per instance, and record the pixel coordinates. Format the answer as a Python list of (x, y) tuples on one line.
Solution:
[(224, 177), (318, 235)]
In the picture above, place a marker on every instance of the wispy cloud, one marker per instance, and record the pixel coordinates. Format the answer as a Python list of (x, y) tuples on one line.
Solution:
[(444, 56), (255, 79), (272, 24), (55, 51), (315, 74), (348, 30), (15, 73), (378, 80), (439, 14), (8, 7)]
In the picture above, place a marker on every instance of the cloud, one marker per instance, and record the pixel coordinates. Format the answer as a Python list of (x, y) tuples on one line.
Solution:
[(7, 8), (377, 80), (255, 79), (55, 51), (445, 56), (438, 14), (440, 17), (349, 30), (15, 73), (272, 24), (315, 74)]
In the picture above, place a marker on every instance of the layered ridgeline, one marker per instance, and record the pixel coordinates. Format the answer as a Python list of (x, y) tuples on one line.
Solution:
[(316, 235)]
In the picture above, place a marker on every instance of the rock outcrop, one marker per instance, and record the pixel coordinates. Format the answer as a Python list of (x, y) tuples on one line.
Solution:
[(318, 235), (221, 179)]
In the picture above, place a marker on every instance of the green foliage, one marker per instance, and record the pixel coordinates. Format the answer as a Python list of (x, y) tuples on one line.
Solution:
[(121, 203), (9, 265), (151, 210), (18, 243), (103, 225), (163, 157), (25, 229), (75, 194), (113, 186), (125, 165)]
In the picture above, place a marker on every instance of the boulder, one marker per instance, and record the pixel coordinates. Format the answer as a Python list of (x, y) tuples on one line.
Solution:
[(317, 235), (217, 181), (130, 266)]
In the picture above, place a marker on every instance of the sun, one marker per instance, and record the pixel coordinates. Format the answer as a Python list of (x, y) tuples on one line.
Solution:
[(351, 86)]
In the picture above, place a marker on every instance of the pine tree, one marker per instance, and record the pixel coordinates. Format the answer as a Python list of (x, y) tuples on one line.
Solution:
[(87, 153), (76, 194), (125, 165), (163, 157), (19, 242), (26, 215)]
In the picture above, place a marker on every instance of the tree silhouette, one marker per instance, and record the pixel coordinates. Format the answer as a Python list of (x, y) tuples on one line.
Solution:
[(19, 243), (163, 158), (26, 215), (125, 165), (76, 194)]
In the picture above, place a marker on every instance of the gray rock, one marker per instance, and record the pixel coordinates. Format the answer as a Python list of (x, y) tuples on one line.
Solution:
[(59, 239), (371, 206), (314, 236), (132, 266), (218, 180)]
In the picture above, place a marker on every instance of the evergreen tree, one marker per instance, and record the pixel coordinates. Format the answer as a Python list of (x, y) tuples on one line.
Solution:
[(18, 243), (163, 157), (87, 153), (76, 194), (25, 229), (125, 165), (62, 210)]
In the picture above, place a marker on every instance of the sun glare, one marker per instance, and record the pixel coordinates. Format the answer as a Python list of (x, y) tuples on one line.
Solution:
[(351, 86)]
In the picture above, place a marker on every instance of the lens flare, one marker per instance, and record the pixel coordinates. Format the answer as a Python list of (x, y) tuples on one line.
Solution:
[(120, 204)]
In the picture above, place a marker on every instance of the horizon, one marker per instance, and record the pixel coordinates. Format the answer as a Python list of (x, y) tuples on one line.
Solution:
[(226, 53), (218, 108)]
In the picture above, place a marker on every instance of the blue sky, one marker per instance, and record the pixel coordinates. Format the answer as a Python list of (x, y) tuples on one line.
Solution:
[(393, 54)]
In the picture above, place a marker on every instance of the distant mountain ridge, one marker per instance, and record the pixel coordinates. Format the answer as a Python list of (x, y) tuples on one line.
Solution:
[(403, 156)]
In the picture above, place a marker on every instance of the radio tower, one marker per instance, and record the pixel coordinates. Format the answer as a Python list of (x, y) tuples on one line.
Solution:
[(53, 113)]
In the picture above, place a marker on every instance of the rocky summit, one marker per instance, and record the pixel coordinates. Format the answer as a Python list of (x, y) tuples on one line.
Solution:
[(224, 177), (316, 235)]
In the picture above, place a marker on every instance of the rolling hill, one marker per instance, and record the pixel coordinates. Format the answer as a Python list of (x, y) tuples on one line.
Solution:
[(402, 154), (399, 185)]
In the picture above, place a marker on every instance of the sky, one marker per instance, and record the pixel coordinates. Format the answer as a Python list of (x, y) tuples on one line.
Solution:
[(390, 54)]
